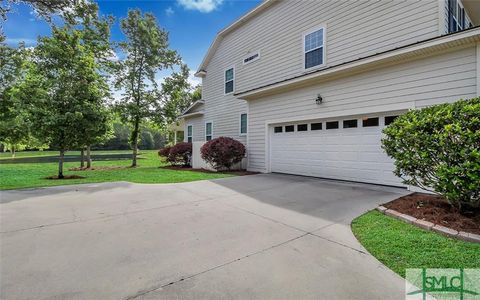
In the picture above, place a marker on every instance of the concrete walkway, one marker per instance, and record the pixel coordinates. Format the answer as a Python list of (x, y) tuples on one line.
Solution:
[(264, 237)]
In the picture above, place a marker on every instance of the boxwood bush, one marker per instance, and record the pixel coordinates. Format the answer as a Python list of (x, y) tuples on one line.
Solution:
[(438, 148), (223, 152), (178, 154)]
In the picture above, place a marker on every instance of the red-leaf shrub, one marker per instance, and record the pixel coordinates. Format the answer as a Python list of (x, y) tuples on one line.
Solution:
[(180, 154), (165, 152), (223, 152)]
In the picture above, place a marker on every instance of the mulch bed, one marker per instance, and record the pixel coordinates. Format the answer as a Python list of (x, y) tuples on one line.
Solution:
[(436, 209), (99, 168), (65, 177), (233, 172)]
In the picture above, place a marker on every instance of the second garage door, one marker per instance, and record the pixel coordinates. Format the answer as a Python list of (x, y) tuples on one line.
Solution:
[(346, 149)]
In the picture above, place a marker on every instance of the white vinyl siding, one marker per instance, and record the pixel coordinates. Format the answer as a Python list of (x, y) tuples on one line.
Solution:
[(417, 83), (198, 128), (355, 29)]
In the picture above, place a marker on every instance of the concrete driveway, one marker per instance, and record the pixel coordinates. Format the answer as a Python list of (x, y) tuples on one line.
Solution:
[(263, 236)]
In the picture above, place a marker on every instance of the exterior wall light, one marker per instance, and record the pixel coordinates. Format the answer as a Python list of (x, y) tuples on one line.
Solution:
[(319, 99)]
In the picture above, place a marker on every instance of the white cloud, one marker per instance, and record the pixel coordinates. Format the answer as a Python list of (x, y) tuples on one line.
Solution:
[(169, 11), (204, 6)]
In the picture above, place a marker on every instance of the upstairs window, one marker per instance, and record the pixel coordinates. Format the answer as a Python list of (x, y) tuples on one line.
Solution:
[(457, 17), (229, 80), (243, 124), (313, 45), (189, 133), (208, 131)]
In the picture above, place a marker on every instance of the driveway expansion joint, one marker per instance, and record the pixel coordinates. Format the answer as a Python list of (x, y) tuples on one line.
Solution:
[(155, 288)]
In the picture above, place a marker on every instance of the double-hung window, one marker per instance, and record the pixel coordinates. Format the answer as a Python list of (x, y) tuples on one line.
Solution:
[(457, 17), (189, 133), (314, 48), (208, 131), (243, 124), (229, 80)]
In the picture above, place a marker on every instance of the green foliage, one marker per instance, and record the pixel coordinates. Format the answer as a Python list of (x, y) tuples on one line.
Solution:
[(15, 119), (223, 152), (400, 246), (146, 52), (25, 175), (438, 148)]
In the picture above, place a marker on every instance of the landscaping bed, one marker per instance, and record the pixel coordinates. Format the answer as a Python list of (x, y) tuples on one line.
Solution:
[(435, 209)]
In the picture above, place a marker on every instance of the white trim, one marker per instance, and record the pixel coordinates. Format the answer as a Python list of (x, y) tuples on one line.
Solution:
[(324, 49), (189, 136), (225, 81), (240, 124), (193, 105), (194, 114), (478, 69), (211, 134), (250, 55), (472, 35)]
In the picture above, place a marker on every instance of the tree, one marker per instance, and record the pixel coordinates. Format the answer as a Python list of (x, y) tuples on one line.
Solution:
[(60, 84), (177, 94), (438, 148), (146, 52), (15, 124), (93, 89), (43, 8)]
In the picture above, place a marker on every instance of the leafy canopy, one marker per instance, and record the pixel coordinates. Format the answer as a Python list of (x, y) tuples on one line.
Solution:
[(438, 148)]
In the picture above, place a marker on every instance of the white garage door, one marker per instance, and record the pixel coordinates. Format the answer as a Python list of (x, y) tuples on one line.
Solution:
[(346, 149)]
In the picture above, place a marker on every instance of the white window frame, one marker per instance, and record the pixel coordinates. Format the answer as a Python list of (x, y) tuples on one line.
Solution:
[(312, 30), (189, 136), (225, 81), (249, 55), (240, 124), (211, 133)]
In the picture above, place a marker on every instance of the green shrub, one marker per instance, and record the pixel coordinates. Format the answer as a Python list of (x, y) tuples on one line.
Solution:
[(438, 148)]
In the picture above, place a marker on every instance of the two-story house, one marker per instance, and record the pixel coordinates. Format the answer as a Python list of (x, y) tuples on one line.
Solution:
[(308, 86)]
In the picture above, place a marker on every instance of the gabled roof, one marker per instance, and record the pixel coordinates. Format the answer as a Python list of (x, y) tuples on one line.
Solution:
[(188, 112), (213, 47)]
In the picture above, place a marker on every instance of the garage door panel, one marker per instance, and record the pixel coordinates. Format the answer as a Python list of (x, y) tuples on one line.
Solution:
[(348, 154)]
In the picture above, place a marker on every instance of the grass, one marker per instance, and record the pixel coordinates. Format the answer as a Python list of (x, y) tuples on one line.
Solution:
[(400, 246), (27, 175)]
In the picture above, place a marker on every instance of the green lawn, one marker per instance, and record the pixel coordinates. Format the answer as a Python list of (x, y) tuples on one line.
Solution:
[(400, 246), (25, 175)]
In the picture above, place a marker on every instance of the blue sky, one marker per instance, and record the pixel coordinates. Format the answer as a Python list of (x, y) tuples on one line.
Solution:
[(192, 24)]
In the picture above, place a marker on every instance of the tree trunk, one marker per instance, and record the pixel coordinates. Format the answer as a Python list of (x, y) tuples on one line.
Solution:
[(89, 158), (60, 164), (135, 142), (82, 158), (13, 151)]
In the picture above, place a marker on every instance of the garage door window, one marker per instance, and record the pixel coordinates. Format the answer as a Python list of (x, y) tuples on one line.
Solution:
[(370, 122), (350, 123), (289, 128), (278, 129), (316, 126), (302, 127), (332, 125), (389, 120)]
